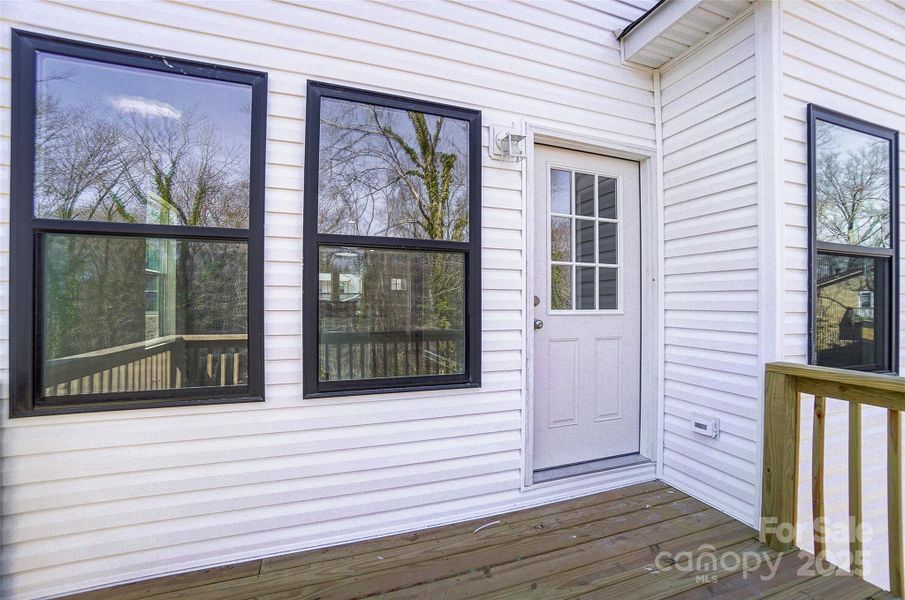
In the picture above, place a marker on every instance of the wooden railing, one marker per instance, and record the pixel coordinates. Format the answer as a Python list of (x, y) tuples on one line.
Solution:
[(785, 382), (167, 362)]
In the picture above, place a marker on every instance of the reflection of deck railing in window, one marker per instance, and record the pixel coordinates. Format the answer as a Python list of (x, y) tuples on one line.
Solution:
[(361, 355), (170, 362)]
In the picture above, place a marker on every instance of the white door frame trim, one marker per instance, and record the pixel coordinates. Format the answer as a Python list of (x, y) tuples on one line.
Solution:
[(651, 301)]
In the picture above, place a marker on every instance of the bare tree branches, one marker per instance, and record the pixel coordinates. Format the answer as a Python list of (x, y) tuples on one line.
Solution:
[(852, 191)]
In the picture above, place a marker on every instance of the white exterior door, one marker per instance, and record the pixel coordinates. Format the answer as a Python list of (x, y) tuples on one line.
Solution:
[(587, 285)]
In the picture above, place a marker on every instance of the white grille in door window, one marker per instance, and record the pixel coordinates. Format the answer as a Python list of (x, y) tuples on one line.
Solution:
[(584, 241)]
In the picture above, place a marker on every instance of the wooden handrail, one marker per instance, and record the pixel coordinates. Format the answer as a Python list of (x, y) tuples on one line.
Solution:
[(784, 384)]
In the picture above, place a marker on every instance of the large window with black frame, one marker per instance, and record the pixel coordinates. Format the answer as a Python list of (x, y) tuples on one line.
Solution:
[(853, 188), (137, 229), (392, 243)]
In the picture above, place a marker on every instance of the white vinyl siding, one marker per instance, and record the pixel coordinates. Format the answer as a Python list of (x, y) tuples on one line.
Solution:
[(94, 499), (849, 57), (711, 269)]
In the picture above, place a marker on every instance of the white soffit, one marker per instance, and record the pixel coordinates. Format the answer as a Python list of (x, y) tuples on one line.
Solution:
[(672, 26)]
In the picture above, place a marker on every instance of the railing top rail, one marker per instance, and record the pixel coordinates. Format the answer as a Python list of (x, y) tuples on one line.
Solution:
[(843, 379), (783, 386)]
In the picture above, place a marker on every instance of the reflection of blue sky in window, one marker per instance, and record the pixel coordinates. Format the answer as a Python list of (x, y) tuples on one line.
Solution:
[(377, 177), (853, 186), (102, 127)]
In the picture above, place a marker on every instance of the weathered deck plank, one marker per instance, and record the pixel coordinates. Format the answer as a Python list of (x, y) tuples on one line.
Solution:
[(453, 556), (600, 546), (323, 555), (608, 561)]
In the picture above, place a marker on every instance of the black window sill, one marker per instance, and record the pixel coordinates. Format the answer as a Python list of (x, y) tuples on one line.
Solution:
[(69, 408), (390, 390)]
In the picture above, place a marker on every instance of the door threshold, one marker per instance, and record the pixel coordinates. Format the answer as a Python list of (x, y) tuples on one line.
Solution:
[(591, 466)]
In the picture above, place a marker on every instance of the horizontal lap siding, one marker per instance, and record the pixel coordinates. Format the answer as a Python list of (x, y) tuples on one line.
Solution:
[(99, 498), (849, 57), (711, 269)]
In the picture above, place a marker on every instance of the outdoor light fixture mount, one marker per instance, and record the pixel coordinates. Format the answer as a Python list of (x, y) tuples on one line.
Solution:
[(506, 145)]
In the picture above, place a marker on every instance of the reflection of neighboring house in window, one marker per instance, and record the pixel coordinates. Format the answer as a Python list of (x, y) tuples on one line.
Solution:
[(160, 289), (339, 287), (845, 309), (340, 296), (349, 287), (324, 286)]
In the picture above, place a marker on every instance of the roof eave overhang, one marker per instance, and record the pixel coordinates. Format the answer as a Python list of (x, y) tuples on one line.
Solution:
[(672, 26)]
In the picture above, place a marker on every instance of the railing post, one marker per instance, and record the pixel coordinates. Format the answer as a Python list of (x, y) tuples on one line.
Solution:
[(894, 485), (817, 496), (780, 492), (855, 505)]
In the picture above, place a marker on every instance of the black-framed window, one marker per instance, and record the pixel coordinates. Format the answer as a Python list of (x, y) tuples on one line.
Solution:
[(137, 229), (853, 207), (392, 278)]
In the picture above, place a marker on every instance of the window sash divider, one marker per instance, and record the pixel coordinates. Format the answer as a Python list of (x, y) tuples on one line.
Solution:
[(139, 229), (331, 239), (849, 250)]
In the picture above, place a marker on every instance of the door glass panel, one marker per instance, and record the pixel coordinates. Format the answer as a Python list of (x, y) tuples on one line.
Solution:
[(584, 240), (561, 288), (584, 233), (851, 310), (584, 195), (560, 239), (608, 254), (561, 191), (585, 295), (609, 288), (606, 197)]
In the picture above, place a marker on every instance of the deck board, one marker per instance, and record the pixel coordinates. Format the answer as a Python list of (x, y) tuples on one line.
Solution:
[(598, 546)]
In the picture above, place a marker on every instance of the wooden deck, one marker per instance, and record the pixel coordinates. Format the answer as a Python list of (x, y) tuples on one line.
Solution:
[(601, 546)]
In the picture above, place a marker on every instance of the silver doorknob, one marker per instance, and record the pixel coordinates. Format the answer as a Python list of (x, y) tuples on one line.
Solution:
[(538, 324)]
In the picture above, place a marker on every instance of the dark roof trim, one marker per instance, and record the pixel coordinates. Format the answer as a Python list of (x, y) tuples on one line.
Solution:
[(638, 21)]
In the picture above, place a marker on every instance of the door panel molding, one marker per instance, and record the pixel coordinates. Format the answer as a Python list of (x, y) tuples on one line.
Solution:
[(613, 357), (561, 349)]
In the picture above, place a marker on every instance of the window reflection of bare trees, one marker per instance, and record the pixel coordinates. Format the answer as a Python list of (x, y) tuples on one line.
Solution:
[(389, 172), (136, 168), (852, 187)]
